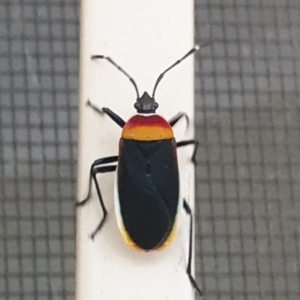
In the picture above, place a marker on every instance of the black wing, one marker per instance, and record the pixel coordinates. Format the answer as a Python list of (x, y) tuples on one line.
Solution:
[(148, 187)]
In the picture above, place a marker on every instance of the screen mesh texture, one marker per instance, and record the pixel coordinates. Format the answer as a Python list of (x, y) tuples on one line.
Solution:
[(248, 172)]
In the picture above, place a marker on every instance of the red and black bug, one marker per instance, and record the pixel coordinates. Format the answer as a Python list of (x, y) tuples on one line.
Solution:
[(147, 199)]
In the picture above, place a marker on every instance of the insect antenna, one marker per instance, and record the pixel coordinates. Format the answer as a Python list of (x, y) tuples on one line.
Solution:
[(120, 69), (160, 77)]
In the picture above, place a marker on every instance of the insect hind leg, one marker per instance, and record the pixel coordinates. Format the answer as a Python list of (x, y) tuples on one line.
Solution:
[(189, 265), (96, 168), (96, 163)]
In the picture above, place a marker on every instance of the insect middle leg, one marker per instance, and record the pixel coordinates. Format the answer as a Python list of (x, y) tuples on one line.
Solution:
[(189, 265), (96, 168), (190, 142)]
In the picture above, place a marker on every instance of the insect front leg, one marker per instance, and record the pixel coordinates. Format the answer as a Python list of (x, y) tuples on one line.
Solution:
[(189, 265), (190, 142), (105, 110), (177, 117), (96, 168)]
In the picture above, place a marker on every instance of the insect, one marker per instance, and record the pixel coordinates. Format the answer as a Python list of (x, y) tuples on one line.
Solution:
[(147, 199)]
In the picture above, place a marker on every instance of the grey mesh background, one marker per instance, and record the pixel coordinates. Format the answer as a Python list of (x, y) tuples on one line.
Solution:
[(38, 142), (247, 121)]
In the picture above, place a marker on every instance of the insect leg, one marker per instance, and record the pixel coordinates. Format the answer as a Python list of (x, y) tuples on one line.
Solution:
[(177, 117), (105, 110), (190, 142), (189, 265), (97, 162), (97, 170)]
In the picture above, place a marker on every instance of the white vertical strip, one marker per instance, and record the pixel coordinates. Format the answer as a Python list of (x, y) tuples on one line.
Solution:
[(144, 37)]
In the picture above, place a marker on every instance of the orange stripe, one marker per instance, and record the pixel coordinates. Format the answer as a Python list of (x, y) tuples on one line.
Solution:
[(147, 128)]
